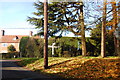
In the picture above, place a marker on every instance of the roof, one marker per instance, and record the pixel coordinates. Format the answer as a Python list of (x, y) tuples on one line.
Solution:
[(11, 38)]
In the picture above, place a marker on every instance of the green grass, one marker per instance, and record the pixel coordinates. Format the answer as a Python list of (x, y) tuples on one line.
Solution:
[(26, 61), (40, 62)]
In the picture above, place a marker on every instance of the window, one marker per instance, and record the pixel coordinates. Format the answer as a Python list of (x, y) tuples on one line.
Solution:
[(4, 44)]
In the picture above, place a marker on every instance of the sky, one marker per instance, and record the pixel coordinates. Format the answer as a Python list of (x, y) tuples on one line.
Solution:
[(13, 14)]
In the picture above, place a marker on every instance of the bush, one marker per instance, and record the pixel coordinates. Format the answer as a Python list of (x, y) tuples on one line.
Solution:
[(31, 47), (10, 55), (22, 46), (69, 44), (66, 54), (11, 48)]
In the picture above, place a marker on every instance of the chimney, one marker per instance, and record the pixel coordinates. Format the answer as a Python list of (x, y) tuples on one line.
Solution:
[(30, 34), (2, 33)]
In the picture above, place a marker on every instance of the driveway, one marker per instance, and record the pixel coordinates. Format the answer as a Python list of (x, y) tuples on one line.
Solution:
[(11, 71)]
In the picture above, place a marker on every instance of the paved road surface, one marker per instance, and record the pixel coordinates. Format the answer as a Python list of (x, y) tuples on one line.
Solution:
[(14, 72)]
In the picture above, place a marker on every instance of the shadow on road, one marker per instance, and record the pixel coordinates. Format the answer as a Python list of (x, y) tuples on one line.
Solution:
[(11, 71), (24, 75)]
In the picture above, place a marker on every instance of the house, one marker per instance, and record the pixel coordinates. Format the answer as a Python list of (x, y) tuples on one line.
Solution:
[(7, 40)]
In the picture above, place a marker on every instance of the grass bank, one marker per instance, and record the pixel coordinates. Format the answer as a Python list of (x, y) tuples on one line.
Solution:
[(77, 67)]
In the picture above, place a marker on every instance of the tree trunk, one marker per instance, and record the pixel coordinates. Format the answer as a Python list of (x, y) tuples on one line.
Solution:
[(81, 20), (114, 11), (118, 47), (103, 50), (118, 23)]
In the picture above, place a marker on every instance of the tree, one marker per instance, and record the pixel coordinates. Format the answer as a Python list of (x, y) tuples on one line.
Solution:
[(39, 47), (103, 51), (53, 22), (114, 26), (31, 47), (45, 34), (112, 23), (22, 46), (118, 23), (82, 31), (95, 40), (63, 16), (11, 48), (66, 44)]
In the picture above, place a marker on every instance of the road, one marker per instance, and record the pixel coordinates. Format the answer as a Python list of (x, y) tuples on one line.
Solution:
[(11, 71)]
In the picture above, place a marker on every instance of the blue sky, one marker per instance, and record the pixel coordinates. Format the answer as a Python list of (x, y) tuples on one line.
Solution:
[(13, 14)]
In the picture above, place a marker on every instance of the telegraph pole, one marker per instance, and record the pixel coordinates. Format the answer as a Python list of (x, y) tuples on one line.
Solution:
[(45, 34)]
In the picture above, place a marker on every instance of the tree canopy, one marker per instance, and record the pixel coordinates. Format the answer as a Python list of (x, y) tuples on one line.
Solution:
[(75, 17)]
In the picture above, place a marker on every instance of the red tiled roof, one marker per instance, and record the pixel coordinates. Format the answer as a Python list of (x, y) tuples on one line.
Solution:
[(11, 38)]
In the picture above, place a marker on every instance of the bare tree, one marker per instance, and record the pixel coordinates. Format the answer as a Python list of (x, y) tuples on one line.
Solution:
[(114, 25)]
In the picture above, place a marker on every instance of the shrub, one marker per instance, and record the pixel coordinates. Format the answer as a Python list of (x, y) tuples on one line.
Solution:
[(10, 55), (69, 44), (22, 46), (11, 48), (31, 47)]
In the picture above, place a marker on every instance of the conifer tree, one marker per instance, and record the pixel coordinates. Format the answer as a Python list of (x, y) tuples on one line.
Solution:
[(62, 16)]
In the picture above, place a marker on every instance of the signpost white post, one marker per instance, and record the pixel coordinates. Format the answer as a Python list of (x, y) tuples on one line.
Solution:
[(53, 46)]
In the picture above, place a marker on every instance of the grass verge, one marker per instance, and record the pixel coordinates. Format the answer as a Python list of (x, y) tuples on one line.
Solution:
[(77, 67)]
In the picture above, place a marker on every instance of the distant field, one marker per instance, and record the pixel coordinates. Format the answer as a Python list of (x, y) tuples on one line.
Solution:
[(77, 67)]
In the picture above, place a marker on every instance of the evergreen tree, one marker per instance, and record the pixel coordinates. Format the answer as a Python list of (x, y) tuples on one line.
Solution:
[(96, 41), (62, 16)]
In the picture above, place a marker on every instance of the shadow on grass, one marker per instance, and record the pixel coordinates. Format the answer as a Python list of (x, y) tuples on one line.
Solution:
[(58, 64), (27, 61), (56, 76), (92, 66), (70, 77)]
